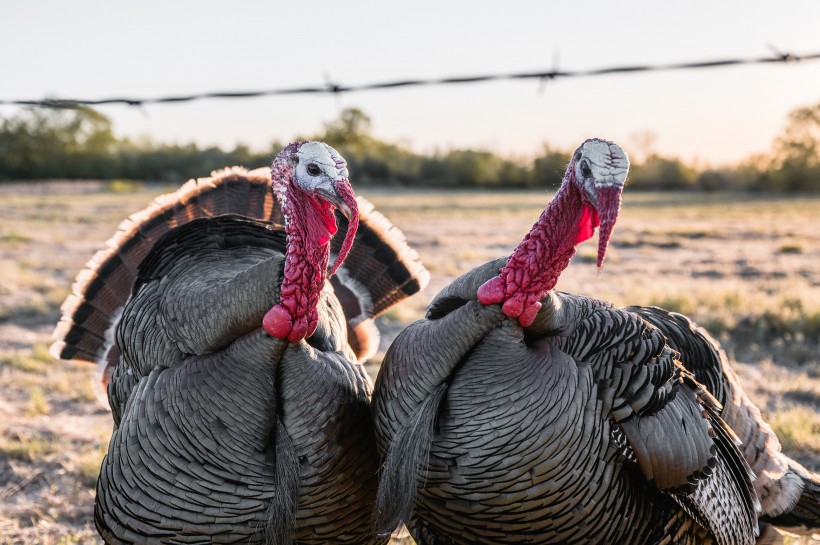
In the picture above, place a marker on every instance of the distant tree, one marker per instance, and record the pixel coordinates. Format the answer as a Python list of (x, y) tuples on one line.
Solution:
[(712, 180), (662, 173), (351, 128), (371, 161), (751, 174), (43, 143), (548, 168), (514, 176), (643, 145), (79, 143), (434, 172), (470, 168), (796, 159)]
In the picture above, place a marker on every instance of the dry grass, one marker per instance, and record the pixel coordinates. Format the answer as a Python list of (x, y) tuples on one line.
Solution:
[(38, 404), (27, 448), (747, 267), (798, 428), (88, 465)]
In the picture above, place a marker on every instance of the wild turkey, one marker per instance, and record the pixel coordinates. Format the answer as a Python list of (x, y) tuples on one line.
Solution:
[(516, 414), (789, 493), (225, 431)]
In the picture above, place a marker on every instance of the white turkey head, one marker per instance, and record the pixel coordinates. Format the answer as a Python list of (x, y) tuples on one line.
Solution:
[(315, 173), (599, 169), (318, 169)]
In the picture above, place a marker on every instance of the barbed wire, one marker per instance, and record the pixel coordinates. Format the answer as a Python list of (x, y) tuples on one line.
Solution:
[(335, 88)]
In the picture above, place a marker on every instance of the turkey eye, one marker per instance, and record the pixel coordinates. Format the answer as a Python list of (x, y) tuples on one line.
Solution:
[(313, 170), (578, 156), (585, 170)]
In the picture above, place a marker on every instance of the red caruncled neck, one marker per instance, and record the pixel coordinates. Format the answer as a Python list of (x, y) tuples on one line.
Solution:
[(309, 224), (537, 262)]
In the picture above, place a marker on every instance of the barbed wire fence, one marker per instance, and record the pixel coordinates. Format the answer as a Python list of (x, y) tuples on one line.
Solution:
[(337, 88)]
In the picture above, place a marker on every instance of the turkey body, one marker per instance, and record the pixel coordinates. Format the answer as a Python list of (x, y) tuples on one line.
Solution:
[(516, 414), (514, 465), (581, 428), (206, 421), (222, 432)]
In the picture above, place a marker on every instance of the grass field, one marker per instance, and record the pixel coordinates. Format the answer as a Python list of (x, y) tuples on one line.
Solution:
[(746, 267)]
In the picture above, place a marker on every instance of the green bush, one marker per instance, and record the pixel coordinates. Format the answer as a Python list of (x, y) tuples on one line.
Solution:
[(79, 143)]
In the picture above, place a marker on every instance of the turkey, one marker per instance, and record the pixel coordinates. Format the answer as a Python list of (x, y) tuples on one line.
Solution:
[(241, 413), (789, 493), (513, 413)]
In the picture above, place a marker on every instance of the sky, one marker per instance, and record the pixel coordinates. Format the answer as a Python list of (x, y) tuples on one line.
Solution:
[(96, 49)]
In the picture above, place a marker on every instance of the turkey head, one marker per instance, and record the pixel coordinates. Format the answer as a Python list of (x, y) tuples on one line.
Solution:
[(309, 179), (590, 196), (599, 170)]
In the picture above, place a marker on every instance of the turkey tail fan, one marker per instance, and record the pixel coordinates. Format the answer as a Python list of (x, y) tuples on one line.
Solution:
[(91, 312), (407, 456), (380, 259), (380, 270)]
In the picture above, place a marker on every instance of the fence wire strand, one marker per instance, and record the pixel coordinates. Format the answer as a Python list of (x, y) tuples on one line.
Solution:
[(335, 88)]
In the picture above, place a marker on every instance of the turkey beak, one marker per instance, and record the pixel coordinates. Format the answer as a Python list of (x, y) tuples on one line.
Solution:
[(344, 199), (608, 206)]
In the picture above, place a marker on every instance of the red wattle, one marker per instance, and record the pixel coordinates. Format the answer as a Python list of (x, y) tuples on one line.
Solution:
[(491, 291), (587, 224), (277, 322), (528, 316), (299, 331), (325, 212), (513, 307)]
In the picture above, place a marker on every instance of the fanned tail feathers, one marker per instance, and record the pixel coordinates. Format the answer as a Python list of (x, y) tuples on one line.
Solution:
[(101, 289), (380, 269), (788, 493), (745, 504)]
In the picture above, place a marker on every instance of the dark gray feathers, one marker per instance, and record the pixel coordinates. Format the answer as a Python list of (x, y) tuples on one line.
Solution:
[(788, 492), (224, 434), (583, 428)]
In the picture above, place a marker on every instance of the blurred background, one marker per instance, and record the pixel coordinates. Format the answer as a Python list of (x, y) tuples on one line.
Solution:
[(720, 218), (731, 127)]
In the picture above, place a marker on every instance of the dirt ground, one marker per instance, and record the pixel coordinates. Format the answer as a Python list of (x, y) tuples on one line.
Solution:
[(746, 267)]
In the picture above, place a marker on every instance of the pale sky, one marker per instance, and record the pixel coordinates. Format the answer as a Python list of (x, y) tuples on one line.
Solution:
[(98, 49)]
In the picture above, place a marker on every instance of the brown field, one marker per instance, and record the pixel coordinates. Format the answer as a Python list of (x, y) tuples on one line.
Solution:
[(746, 267)]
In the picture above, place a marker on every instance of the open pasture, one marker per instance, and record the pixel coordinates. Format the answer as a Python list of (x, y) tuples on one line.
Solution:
[(746, 267)]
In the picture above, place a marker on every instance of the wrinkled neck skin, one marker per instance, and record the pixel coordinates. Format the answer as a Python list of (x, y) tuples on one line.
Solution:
[(306, 259), (537, 262)]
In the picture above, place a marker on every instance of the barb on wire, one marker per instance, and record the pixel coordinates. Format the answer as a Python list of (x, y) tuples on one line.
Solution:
[(336, 89)]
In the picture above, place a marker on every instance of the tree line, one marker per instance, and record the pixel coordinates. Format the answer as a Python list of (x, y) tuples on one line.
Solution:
[(79, 143)]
